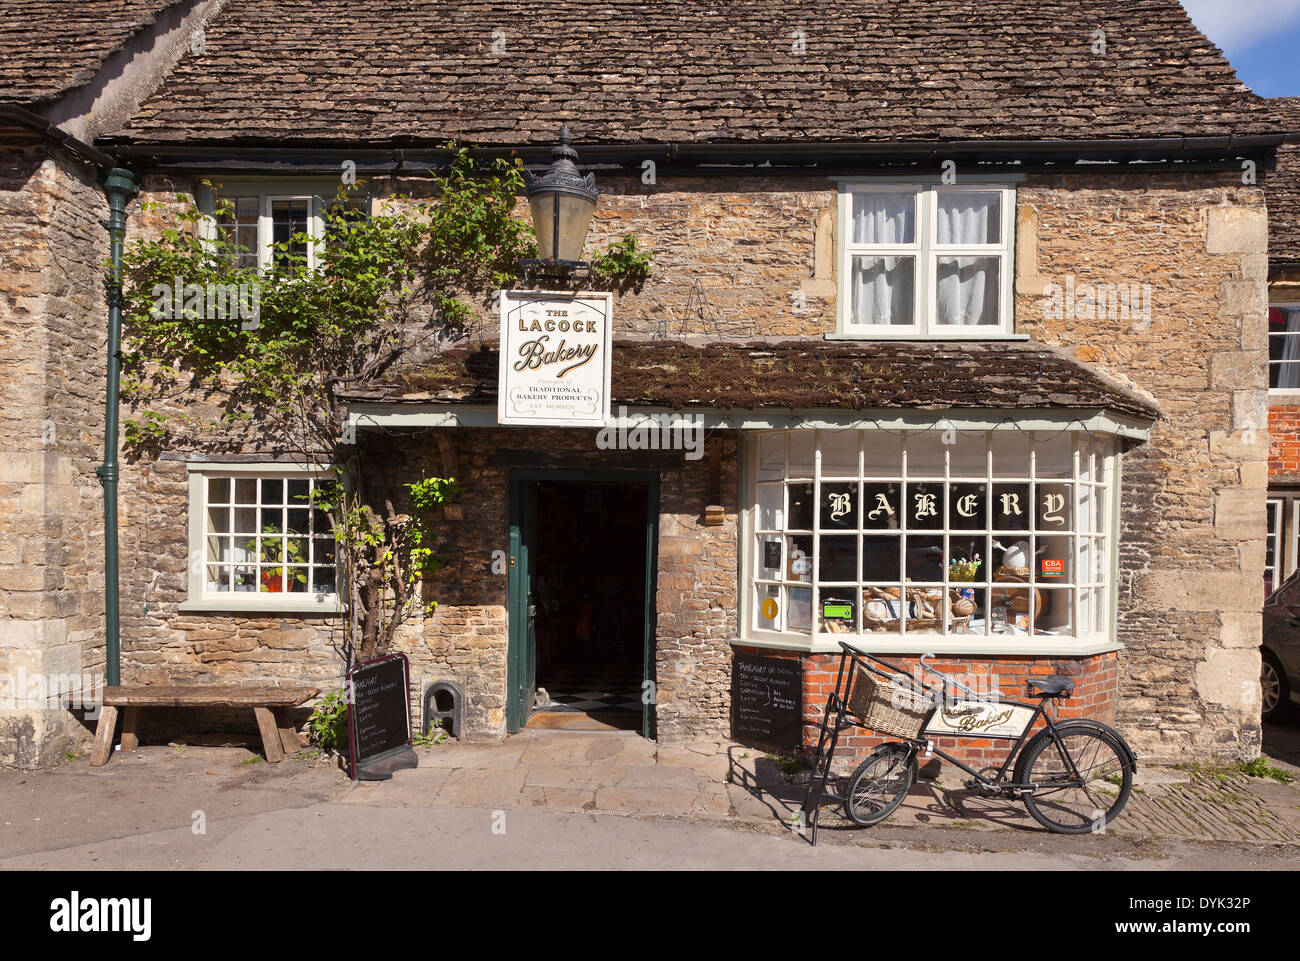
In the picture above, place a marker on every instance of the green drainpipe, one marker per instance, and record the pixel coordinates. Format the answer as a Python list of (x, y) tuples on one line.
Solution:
[(120, 187)]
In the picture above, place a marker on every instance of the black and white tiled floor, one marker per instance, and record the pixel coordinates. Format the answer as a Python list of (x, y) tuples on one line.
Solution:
[(589, 692)]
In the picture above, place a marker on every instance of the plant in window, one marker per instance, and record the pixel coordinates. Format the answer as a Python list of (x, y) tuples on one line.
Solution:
[(280, 551), (965, 565)]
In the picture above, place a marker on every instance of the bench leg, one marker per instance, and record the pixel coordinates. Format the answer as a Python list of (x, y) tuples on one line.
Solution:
[(289, 739), (103, 749), (270, 734), (130, 728)]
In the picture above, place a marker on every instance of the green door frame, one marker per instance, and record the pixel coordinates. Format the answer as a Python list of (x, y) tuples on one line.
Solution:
[(522, 532)]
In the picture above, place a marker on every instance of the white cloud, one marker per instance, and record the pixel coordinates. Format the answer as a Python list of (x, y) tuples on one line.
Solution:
[(1228, 24)]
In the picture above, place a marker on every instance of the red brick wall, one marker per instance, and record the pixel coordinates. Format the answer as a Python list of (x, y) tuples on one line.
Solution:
[(1284, 442), (1096, 693)]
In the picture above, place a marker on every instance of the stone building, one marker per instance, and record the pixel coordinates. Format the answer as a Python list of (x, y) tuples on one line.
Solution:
[(991, 288)]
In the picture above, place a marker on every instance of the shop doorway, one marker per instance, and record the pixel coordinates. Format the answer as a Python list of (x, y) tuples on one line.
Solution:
[(581, 599)]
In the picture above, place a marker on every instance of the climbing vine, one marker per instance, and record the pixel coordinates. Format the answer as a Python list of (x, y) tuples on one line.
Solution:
[(277, 347)]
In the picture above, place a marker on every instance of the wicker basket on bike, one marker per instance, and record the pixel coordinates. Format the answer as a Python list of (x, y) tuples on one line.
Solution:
[(887, 705)]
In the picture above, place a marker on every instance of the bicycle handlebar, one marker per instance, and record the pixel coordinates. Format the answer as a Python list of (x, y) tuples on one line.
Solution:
[(944, 678)]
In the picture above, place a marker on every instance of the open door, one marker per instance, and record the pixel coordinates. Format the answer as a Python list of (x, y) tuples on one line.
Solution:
[(582, 560)]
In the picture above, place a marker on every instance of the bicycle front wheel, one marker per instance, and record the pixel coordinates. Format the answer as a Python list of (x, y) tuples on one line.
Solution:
[(879, 784), (1082, 779)]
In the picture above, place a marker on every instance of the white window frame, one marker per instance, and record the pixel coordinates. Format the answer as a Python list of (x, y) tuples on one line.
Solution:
[(1103, 479), (199, 597), (319, 194), (926, 252), (1289, 392)]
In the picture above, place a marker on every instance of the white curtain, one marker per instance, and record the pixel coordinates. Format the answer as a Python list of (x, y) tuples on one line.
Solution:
[(968, 290), (883, 289), (968, 287), (1288, 373), (884, 218)]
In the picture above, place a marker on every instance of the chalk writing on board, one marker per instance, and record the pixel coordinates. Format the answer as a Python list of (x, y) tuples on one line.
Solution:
[(380, 708), (767, 699)]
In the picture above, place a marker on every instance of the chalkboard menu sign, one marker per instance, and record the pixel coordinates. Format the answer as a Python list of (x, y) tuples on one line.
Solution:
[(767, 700), (379, 718)]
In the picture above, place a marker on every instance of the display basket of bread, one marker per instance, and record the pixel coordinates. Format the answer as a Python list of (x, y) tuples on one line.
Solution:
[(883, 608)]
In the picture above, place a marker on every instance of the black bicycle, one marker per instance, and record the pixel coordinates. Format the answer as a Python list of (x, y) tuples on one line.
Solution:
[(1074, 775)]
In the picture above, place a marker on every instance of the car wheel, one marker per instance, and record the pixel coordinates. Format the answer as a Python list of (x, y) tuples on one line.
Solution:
[(1275, 702)]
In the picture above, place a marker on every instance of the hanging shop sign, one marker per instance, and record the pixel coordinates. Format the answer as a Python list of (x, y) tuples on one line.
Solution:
[(555, 358)]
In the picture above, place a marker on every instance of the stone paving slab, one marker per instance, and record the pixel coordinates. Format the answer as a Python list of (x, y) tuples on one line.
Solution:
[(620, 772)]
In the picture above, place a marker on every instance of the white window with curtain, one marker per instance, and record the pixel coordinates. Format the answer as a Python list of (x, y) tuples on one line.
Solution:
[(1284, 348), (1273, 546), (926, 260)]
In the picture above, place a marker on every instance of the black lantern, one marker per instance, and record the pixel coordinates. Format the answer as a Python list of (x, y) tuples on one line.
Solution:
[(562, 203)]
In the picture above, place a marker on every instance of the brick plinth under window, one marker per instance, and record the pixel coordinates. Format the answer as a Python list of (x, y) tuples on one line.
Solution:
[(1096, 692), (1284, 441)]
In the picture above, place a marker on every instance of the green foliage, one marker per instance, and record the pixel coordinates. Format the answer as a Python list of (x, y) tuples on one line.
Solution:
[(1261, 768), (279, 551), (328, 724), (474, 243), (432, 738), (622, 267), (379, 288)]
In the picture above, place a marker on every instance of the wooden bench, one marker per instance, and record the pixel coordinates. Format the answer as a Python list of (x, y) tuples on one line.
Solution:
[(270, 706)]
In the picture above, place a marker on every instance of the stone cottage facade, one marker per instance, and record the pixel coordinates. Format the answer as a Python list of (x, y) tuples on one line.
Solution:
[(974, 294)]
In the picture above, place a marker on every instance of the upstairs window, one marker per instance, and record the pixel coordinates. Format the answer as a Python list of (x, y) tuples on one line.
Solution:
[(259, 219), (925, 260), (1284, 347)]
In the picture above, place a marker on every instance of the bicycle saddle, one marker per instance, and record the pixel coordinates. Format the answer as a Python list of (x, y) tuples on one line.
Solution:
[(1052, 686)]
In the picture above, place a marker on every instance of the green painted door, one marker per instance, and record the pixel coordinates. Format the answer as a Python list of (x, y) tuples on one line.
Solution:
[(521, 667)]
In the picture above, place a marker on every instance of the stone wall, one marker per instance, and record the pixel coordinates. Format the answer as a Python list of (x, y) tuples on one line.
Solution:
[(1192, 530), (756, 256), (52, 332)]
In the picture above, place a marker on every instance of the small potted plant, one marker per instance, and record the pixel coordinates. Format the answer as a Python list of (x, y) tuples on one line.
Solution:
[(963, 570), (280, 552)]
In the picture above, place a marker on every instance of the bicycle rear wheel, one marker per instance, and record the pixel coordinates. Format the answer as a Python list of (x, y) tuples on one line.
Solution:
[(879, 784), (1082, 782)]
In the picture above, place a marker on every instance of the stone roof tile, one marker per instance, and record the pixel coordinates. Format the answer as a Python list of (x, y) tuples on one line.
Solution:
[(643, 71), (807, 375), (48, 47)]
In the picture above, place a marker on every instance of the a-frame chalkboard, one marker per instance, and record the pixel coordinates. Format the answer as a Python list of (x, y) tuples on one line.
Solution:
[(379, 718)]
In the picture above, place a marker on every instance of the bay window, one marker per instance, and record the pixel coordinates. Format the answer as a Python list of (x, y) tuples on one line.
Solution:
[(925, 260), (965, 535)]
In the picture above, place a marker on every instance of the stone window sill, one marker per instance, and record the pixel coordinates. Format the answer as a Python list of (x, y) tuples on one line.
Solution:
[(328, 604)]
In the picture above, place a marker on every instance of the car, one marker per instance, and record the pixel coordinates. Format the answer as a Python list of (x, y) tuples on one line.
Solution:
[(1280, 651)]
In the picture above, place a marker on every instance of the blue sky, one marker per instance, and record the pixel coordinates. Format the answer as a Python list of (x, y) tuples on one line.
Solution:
[(1260, 37)]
